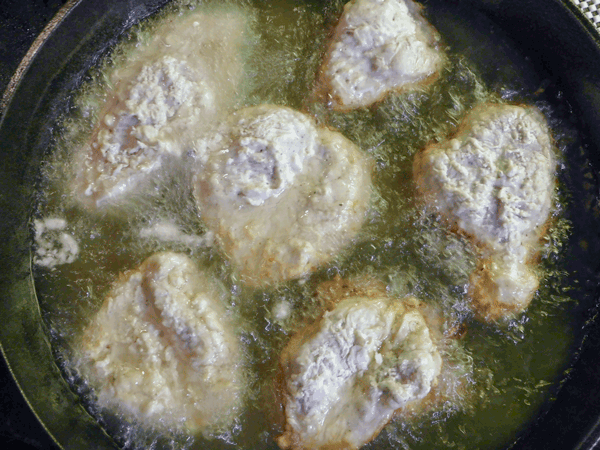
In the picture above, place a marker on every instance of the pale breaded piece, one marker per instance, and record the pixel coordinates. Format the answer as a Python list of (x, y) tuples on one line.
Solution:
[(379, 46), (171, 90), (345, 376), (161, 349), (281, 195), (494, 181)]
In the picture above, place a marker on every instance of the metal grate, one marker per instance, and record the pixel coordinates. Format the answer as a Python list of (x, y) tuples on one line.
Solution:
[(591, 10)]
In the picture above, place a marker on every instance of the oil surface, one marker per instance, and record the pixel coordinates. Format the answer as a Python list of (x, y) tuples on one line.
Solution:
[(508, 370)]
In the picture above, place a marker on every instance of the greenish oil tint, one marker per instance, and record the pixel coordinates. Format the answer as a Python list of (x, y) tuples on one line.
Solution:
[(509, 370)]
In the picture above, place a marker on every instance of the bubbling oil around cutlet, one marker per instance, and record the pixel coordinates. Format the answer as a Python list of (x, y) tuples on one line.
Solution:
[(411, 252)]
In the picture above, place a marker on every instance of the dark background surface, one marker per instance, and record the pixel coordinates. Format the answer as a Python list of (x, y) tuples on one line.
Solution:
[(20, 23)]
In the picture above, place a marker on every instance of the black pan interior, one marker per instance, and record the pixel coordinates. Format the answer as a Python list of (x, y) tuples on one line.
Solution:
[(560, 48), (563, 45)]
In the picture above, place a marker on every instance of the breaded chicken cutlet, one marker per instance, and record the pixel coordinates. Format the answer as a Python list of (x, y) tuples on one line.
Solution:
[(494, 181)]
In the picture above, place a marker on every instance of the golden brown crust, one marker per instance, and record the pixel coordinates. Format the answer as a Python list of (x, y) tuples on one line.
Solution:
[(484, 294)]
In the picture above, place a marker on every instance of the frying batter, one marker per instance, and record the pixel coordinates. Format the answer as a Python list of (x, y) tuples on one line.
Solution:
[(281, 195), (379, 46), (495, 182), (161, 349), (346, 375), (54, 245), (171, 90)]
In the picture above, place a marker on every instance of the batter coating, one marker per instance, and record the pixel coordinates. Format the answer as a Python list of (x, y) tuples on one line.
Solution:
[(495, 182), (161, 350), (54, 245), (171, 90), (379, 46), (346, 375), (281, 195)]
